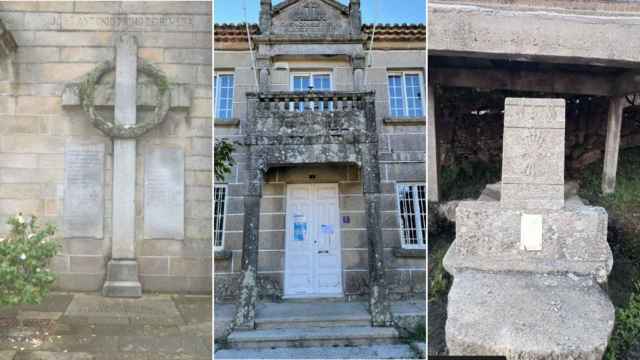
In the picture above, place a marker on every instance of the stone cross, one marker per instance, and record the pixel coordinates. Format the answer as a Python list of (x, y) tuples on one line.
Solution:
[(533, 154), (122, 276), (122, 269)]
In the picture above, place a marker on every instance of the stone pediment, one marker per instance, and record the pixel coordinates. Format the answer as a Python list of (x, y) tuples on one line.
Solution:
[(311, 17)]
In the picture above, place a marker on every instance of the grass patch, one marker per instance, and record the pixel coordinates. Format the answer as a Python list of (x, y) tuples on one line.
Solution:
[(623, 207), (439, 280)]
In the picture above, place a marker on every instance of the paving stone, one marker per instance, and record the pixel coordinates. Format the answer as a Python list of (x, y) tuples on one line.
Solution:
[(48, 355), (7, 354), (355, 352)]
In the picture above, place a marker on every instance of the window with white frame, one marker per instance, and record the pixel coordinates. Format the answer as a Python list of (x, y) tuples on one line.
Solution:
[(405, 94), (223, 94), (412, 208), (307, 81), (219, 206)]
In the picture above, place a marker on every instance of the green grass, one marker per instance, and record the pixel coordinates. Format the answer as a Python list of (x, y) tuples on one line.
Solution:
[(624, 280)]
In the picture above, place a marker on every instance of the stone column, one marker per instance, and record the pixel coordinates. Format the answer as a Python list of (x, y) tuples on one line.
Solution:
[(122, 269), (612, 144), (355, 16), (358, 64), (263, 65), (265, 16), (433, 166), (378, 296), (256, 168)]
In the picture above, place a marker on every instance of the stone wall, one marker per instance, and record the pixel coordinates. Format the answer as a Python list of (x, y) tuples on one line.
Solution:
[(402, 147), (57, 44)]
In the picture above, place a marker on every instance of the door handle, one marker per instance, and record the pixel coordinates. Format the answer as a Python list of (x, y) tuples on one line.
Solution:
[(323, 251)]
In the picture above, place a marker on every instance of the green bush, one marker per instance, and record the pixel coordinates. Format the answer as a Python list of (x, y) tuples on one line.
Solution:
[(24, 259), (627, 329)]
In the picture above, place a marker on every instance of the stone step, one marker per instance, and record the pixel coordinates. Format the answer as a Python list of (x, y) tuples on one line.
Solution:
[(318, 321), (401, 351), (307, 315), (311, 337)]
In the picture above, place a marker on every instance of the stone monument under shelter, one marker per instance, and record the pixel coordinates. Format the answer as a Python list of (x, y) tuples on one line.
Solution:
[(528, 269)]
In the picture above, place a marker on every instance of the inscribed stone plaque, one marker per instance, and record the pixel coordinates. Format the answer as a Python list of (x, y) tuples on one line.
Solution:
[(310, 17), (164, 193), (533, 153), (83, 191), (531, 232)]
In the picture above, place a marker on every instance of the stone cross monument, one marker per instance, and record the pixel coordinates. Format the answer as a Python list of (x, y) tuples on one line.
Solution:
[(164, 167), (527, 268)]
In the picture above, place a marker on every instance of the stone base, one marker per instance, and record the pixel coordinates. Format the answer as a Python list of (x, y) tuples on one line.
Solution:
[(122, 279), (528, 316)]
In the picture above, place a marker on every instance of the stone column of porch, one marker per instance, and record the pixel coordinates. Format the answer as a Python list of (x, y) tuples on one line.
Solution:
[(358, 64), (378, 291), (256, 168), (263, 65)]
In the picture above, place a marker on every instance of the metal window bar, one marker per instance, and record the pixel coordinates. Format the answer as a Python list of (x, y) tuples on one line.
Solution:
[(220, 197), (412, 206)]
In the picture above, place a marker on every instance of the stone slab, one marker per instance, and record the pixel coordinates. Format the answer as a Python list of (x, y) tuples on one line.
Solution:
[(164, 193), (7, 354), (354, 352), (314, 336), (528, 316), (83, 190), (533, 156), (534, 113), (573, 240), (95, 308)]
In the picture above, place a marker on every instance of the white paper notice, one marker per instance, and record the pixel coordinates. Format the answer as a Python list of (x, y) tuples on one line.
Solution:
[(531, 232)]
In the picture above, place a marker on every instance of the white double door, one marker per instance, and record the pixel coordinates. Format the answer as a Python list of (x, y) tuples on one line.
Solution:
[(313, 262)]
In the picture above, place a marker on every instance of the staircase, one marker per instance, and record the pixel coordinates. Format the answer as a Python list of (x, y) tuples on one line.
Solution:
[(309, 330)]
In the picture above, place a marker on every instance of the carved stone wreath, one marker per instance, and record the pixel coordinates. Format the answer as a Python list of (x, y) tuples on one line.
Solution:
[(87, 101)]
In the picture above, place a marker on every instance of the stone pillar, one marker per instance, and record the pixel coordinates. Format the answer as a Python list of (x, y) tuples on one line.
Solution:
[(378, 291), (263, 65), (265, 16), (358, 65), (433, 166), (355, 16), (122, 269), (256, 168), (612, 144)]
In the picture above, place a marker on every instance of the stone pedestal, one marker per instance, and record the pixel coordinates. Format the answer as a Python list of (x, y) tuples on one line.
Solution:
[(527, 268), (122, 279)]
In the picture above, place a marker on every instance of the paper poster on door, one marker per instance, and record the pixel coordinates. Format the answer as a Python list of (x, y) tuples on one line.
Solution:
[(299, 228), (326, 229)]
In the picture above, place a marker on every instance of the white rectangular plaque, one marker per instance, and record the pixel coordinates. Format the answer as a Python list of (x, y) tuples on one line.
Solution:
[(83, 191), (531, 232), (164, 193)]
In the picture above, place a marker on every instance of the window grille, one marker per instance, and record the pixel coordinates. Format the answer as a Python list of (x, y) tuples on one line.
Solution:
[(412, 207), (219, 205), (405, 95), (223, 95)]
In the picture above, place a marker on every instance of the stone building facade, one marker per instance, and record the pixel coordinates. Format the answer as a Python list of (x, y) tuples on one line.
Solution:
[(327, 195), (128, 184)]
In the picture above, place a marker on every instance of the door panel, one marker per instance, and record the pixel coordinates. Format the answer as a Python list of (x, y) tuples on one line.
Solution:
[(313, 265)]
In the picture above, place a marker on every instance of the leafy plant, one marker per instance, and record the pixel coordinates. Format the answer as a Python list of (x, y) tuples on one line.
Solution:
[(627, 330), (222, 158), (24, 258), (438, 278)]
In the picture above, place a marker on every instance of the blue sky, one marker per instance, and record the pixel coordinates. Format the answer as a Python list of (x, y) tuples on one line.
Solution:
[(388, 11)]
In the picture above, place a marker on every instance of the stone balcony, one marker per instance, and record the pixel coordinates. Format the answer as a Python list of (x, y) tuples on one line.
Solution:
[(311, 127)]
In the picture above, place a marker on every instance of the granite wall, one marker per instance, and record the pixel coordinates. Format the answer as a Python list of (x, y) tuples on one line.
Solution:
[(58, 43)]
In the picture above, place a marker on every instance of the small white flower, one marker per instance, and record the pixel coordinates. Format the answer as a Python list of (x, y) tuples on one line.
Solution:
[(23, 256), (30, 236), (20, 219), (37, 269)]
